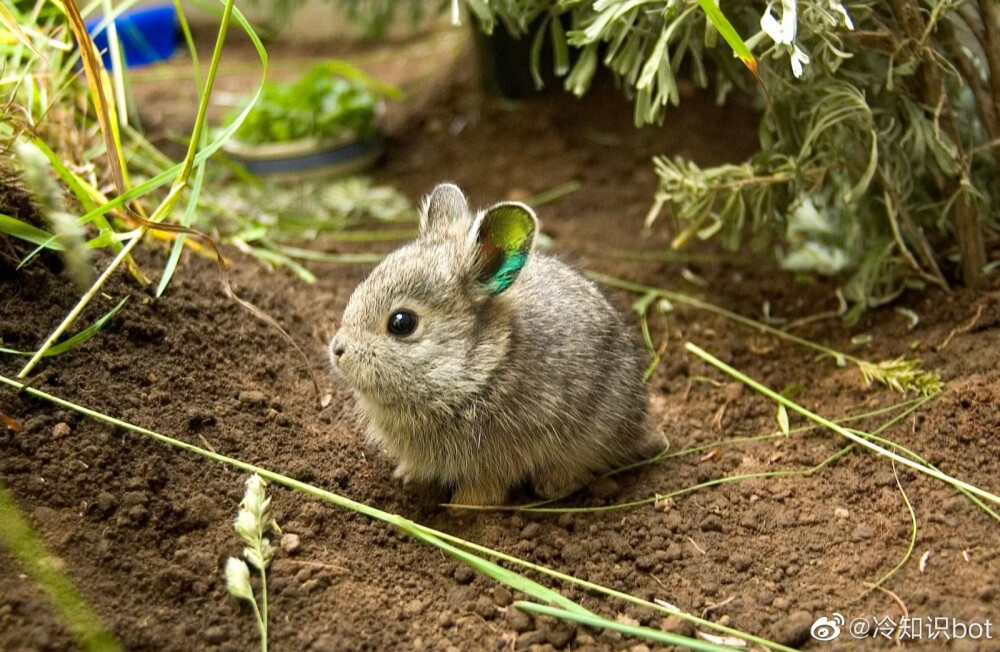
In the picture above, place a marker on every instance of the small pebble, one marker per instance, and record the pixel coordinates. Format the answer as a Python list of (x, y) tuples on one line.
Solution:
[(518, 620), (862, 532), (484, 607), (711, 523), (252, 397), (527, 639), (61, 430), (677, 625), (741, 562), (215, 634), (559, 633), (842, 513), (502, 596), (290, 543), (794, 631), (625, 619), (463, 574)]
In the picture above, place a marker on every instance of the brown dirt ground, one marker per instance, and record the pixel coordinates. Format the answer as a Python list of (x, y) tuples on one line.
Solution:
[(144, 529)]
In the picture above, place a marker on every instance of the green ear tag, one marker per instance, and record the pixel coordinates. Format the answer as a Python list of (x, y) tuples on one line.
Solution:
[(506, 235)]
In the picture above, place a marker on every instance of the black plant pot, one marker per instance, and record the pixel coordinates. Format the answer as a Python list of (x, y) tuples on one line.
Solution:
[(505, 61)]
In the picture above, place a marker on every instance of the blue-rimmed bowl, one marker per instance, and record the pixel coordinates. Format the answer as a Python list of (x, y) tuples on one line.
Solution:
[(308, 157), (147, 35)]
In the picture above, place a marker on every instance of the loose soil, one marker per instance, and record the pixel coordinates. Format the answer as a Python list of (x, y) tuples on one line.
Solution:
[(144, 529)]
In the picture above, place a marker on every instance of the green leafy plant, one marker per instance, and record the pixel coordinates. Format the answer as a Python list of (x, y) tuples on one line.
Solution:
[(332, 100), (878, 159), (374, 17)]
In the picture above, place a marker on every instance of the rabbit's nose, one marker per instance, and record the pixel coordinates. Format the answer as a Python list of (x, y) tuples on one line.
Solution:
[(337, 347)]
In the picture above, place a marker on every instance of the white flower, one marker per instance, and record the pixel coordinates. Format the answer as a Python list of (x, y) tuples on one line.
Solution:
[(238, 579), (840, 9), (799, 59), (782, 33)]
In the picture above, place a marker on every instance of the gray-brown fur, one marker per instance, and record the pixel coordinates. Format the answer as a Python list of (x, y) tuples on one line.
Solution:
[(539, 383)]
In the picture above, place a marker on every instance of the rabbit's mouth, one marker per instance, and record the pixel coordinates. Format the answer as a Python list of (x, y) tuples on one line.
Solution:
[(346, 369)]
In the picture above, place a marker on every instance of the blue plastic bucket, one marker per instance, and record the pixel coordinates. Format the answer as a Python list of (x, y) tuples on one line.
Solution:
[(147, 35)]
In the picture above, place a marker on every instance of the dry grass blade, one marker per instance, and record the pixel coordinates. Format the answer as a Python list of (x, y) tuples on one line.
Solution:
[(95, 80), (9, 21), (910, 547), (826, 423), (11, 424), (900, 374)]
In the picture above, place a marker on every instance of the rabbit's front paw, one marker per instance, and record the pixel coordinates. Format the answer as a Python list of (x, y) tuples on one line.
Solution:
[(403, 473), (479, 494), (557, 484)]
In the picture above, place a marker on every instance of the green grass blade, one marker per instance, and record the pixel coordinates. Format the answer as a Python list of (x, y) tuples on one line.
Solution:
[(25, 545), (279, 259), (183, 171), (629, 630), (899, 374), (375, 513), (728, 32), (76, 185), (77, 339), (24, 231), (87, 333), (513, 580), (84, 192), (206, 152), (199, 175), (913, 535), (812, 416)]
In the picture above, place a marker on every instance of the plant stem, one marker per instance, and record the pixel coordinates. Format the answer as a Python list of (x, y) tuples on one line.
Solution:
[(261, 625), (874, 437), (262, 615), (913, 536), (967, 230), (688, 300), (22, 542), (162, 211), (991, 23), (629, 630), (431, 535), (75, 312), (812, 416)]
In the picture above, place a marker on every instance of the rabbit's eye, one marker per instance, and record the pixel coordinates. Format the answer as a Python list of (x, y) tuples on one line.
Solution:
[(402, 322)]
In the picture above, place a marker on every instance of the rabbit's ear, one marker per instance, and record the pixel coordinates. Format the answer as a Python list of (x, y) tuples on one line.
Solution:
[(444, 206), (504, 237)]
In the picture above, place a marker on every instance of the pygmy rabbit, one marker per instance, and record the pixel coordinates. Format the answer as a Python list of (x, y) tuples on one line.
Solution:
[(480, 363)]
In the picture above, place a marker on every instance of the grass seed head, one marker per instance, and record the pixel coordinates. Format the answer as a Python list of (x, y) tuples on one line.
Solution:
[(238, 579)]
